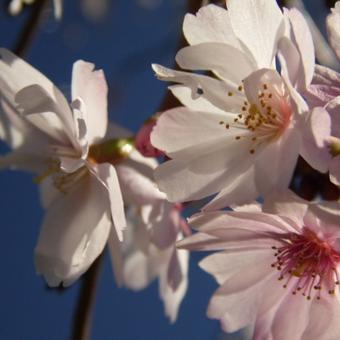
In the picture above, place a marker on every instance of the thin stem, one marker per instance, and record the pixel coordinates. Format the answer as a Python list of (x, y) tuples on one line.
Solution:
[(82, 321), (30, 27)]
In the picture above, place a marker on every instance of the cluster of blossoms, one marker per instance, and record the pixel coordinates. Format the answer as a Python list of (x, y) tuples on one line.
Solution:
[(256, 102)]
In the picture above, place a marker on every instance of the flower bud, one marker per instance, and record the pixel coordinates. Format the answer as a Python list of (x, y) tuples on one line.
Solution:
[(142, 140)]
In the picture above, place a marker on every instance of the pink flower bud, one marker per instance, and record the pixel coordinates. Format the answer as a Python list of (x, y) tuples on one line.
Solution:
[(142, 140)]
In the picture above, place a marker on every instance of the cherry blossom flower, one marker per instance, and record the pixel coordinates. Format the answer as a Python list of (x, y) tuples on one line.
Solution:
[(277, 268), (65, 145), (240, 132)]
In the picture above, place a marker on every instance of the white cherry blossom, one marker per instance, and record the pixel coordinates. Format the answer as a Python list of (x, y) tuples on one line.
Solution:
[(64, 144), (240, 131)]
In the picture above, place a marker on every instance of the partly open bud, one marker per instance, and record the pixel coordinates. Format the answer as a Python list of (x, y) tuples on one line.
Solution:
[(142, 140)]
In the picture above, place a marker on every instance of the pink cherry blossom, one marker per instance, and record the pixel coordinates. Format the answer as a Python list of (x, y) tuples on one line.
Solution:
[(277, 268), (240, 132)]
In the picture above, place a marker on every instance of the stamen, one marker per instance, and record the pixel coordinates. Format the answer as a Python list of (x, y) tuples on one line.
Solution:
[(308, 260)]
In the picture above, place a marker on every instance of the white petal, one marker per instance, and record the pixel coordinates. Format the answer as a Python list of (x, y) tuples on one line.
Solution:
[(201, 177), (210, 24), (237, 301), (91, 87), (286, 203), (304, 43), (165, 225), (218, 224), (257, 23), (291, 318), (333, 27), (137, 188), (184, 95), (327, 326), (223, 265), (17, 74), (290, 62), (213, 90), (173, 298), (276, 163), (241, 190), (179, 132), (334, 170), (316, 135), (115, 250), (40, 109), (74, 233), (21, 159), (138, 272), (48, 192), (226, 61), (107, 174)]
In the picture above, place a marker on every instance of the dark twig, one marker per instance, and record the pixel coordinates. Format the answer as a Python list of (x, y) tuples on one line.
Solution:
[(30, 28), (83, 314)]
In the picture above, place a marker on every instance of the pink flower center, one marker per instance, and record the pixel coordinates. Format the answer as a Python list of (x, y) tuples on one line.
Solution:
[(308, 261), (265, 118)]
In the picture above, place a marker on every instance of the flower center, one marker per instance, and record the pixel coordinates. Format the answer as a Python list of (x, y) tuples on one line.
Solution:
[(112, 151), (265, 117), (310, 262)]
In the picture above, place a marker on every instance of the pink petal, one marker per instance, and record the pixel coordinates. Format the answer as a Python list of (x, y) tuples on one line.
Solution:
[(142, 140)]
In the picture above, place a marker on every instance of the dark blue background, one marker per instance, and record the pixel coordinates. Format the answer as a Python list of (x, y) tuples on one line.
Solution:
[(124, 44)]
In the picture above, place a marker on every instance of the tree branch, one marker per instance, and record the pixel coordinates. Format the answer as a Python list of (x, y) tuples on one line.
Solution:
[(29, 29), (82, 320)]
